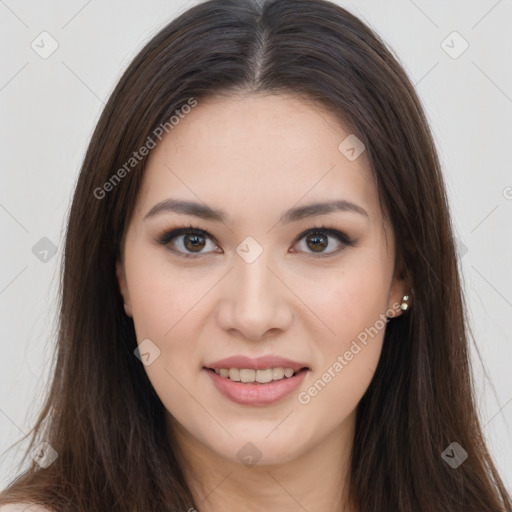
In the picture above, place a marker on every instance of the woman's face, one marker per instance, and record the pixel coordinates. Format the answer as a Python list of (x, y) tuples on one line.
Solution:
[(257, 283)]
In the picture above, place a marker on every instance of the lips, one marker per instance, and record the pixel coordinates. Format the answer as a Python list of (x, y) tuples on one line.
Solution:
[(259, 363), (238, 378)]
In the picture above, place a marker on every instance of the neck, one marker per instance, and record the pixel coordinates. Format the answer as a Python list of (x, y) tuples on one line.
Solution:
[(315, 481)]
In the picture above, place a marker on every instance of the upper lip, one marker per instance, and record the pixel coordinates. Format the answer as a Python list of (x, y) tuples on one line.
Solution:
[(257, 363)]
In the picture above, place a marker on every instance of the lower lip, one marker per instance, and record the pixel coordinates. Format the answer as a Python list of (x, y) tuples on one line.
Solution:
[(256, 394)]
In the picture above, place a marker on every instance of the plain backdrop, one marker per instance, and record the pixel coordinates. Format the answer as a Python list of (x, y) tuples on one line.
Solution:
[(49, 105)]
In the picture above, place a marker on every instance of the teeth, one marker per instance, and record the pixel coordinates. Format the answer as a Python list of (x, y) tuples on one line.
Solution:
[(264, 376), (248, 375), (277, 373), (234, 374)]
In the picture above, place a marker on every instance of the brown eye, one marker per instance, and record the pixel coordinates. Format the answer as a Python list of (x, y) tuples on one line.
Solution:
[(194, 242), (323, 241), (317, 242), (189, 242)]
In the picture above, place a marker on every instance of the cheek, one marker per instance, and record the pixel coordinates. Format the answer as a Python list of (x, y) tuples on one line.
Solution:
[(352, 304), (166, 307), (169, 309), (349, 300), (161, 299), (355, 310)]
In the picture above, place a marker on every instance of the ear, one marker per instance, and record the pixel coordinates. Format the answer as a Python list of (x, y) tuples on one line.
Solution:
[(123, 288), (399, 288)]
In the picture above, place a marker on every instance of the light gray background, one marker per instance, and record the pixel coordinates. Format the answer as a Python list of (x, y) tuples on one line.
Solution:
[(49, 108)]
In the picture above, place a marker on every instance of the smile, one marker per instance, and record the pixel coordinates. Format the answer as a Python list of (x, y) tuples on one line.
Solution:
[(248, 375), (250, 391)]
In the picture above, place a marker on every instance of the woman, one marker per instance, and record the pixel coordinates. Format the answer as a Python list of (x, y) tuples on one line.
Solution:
[(261, 305)]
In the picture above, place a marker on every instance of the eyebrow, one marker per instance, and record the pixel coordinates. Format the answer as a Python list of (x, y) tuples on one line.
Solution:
[(293, 215)]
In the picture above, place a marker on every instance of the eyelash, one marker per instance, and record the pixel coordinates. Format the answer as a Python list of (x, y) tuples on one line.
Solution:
[(341, 237)]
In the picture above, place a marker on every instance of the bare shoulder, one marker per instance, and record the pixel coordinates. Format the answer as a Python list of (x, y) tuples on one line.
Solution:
[(23, 507)]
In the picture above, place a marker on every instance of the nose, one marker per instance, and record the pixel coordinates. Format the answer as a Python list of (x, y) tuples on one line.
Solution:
[(256, 303)]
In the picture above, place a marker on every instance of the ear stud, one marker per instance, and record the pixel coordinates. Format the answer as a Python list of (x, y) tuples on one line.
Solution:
[(405, 303)]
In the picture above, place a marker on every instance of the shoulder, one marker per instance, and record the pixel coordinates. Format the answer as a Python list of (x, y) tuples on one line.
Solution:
[(22, 507)]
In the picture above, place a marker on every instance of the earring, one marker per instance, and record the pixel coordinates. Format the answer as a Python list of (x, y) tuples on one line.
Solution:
[(405, 303)]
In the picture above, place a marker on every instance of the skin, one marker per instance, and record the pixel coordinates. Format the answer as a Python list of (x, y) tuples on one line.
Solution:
[(256, 156)]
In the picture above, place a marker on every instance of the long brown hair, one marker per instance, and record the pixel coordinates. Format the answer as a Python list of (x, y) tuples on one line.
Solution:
[(102, 415)]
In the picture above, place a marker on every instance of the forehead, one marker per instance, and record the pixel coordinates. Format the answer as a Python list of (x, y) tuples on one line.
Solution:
[(258, 153)]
